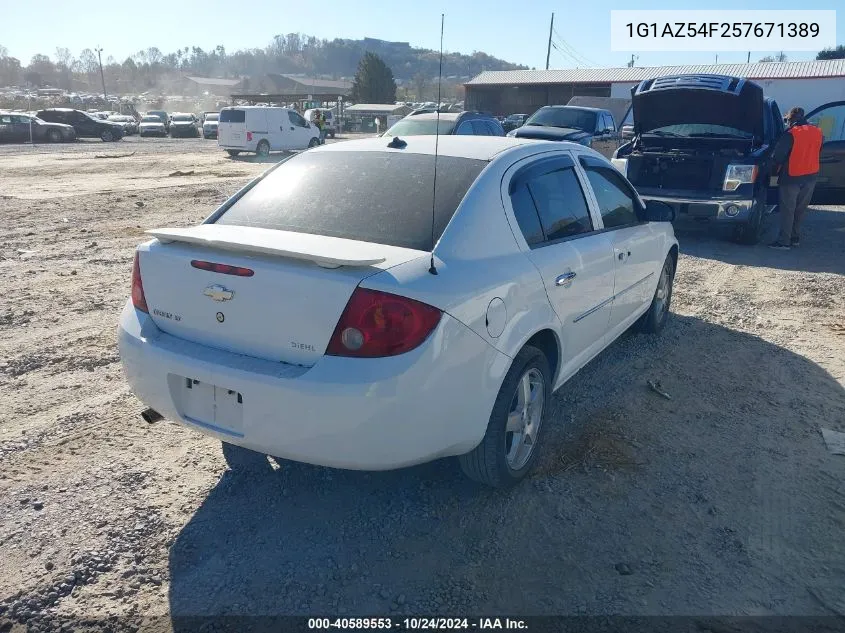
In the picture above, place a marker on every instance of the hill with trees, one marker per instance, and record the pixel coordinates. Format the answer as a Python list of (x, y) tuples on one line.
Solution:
[(294, 53)]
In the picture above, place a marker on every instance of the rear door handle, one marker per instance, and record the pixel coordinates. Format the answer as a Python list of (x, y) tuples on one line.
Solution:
[(564, 279)]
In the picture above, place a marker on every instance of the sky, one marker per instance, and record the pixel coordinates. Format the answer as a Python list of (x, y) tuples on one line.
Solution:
[(511, 30)]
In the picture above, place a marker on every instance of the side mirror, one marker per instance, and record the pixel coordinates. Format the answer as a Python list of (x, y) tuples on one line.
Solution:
[(659, 211)]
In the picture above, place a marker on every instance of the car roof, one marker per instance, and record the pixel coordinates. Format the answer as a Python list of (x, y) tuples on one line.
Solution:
[(472, 147), (569, 107), (431, 116)]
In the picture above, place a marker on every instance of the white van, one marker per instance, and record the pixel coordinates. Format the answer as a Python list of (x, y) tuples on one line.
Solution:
[(263, 129)]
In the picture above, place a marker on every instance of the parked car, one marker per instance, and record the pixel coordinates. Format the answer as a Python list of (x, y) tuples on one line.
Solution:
[(209, 125), (16, 127), (183, 124), (830, 186), (329, 125), (165, 118), (513, 121), (151, 125), (86, 126), (702, 143), (278, 129), (593, 127), (463, 123), (130, 125), (544, 255)]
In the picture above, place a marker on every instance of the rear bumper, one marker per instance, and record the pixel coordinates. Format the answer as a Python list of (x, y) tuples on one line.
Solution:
[(363, 414), (728, 210)]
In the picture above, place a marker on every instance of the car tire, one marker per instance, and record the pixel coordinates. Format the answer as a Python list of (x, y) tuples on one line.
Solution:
[(314, 142), (233, 152), (496, 461), (107, 136), (263, 148), (749, 233), (241, 460), (54, 136), (658, 312)]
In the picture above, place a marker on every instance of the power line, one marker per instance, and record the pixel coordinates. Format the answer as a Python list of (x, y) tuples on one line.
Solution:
[(574, 52)]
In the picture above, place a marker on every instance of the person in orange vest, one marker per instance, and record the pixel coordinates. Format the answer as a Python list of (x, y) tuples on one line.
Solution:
[(796, 159)]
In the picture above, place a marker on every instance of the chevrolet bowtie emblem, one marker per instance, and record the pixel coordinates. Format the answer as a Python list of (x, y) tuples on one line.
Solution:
[(217, 292)]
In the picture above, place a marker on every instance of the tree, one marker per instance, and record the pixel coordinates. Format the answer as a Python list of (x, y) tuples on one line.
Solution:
[(780, 57), (420, 84), (373, 81), (40, 70), (828, 53)]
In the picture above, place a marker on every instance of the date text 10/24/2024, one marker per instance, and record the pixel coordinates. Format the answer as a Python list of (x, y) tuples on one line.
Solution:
[(421, 624)]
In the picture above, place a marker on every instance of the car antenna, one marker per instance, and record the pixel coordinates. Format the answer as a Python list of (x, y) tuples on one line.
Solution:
[(432, 269)]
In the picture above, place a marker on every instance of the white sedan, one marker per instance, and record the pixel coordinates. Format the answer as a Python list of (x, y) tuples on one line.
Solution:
[(151, 125), (360, 324)]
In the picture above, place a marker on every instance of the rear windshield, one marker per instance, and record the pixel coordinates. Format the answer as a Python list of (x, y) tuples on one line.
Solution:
[(376, 197), (232, 116), (183, 117), (419, 127), (211, 117)]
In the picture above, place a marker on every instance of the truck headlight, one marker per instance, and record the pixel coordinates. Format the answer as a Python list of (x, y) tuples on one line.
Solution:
[(621, 165), (737, 175)]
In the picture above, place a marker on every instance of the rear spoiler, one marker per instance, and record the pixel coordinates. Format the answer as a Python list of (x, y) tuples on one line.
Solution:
[(329, 252)]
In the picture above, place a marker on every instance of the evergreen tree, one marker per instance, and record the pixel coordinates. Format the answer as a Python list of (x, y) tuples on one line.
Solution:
[(373, 81)]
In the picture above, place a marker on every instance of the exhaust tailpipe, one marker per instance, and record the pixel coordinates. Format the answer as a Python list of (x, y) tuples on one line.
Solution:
[(151, 415)]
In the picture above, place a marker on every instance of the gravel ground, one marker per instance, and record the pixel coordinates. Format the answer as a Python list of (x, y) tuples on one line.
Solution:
[(722, 500)]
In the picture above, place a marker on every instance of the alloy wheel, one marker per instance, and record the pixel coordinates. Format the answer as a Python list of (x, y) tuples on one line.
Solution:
[(524, 418)]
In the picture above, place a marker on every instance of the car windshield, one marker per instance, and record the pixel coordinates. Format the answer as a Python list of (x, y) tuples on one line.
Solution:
[(699, 130), (564, 117), (150, 119), (211, 117), (184, 118), (375, 196), (417, 127)]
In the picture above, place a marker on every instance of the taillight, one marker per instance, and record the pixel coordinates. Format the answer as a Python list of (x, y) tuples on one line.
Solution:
[(226, 269), (377, 324), (249, 136), (138, 298)]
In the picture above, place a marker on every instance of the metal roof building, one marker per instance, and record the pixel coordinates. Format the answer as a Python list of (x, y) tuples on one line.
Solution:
[(808, 83)]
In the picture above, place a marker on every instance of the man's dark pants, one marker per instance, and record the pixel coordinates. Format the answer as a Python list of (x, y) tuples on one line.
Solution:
[(795, 197)]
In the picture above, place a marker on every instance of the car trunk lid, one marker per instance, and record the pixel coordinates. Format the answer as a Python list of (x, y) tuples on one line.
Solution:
[(279, 299)]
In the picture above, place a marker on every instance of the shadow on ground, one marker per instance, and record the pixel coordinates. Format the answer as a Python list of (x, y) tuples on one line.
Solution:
[(720, 500), (822, 247)]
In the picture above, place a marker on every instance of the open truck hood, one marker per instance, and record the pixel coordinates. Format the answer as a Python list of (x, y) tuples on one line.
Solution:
[(710, 99)]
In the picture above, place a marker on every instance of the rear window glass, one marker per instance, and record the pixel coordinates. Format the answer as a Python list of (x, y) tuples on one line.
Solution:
[(376, 197), (232, 116)]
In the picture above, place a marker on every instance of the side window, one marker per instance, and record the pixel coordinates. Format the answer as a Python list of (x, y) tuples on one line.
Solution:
[(616, 202), (5, 119), (20, 120), (831, 120), (526, 215), (560, 203), (480, 128), (296, 119), (465, 128), (610, 125)]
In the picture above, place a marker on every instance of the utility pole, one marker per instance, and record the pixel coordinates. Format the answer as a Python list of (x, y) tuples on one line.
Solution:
[(102, 74), (717, 58), (549, 48), (632, 60), (748, 59)]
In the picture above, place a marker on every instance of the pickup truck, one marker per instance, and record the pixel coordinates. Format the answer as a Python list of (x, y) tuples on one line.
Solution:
[(703, 144), (593, 127)]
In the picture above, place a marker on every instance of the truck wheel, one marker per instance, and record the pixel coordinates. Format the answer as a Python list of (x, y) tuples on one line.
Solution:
[(107, 136), (750, 232), (263, 148), (233, 152), (509, 448), (658, 312)]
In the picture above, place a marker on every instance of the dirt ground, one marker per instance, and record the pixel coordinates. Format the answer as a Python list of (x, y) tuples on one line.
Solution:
[(722, 500)]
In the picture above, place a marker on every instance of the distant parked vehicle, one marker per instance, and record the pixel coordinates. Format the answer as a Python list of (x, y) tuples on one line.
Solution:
[(182, 124), (86, 126), (462, 123), (329, 123), (130, 125), (592, 127), (151, 125), (165, 118), (16, 127), (209, 125), (278, 129), (514, 121)]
